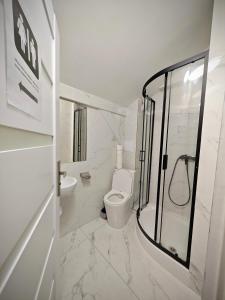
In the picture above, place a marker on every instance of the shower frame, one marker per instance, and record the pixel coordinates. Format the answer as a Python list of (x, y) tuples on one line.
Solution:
[(165, 72)]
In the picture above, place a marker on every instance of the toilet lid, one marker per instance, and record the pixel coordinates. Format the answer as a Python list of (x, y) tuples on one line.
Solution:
[(122, 181), (115, 198)]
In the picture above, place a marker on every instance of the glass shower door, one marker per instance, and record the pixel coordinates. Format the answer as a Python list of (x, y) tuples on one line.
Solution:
[(169, 156), (146, 152), (180, 157)]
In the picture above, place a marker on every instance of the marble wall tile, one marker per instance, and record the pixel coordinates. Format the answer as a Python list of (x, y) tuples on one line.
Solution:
[(104, 131), (129, 143), (212, 119), (214, 274)]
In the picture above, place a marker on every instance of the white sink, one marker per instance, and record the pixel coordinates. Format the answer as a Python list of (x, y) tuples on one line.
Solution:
[(67, 185)]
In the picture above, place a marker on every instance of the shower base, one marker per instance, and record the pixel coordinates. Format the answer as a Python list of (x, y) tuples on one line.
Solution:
[(146, 221), (174, 230)]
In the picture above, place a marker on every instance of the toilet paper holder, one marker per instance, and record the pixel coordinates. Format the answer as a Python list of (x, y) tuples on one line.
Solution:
[(85, 175)]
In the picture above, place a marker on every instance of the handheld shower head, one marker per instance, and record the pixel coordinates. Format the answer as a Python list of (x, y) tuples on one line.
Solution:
[(186, 159)]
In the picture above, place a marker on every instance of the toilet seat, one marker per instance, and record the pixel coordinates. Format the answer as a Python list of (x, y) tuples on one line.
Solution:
[(118, 201), (115, 197)]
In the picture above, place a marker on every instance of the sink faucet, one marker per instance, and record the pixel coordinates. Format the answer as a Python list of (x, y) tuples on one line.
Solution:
[(63, 173)]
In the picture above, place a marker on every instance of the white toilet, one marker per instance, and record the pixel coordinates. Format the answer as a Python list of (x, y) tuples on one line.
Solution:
[(118, 201)]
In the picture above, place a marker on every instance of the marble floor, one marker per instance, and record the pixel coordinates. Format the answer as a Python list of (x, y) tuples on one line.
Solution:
[(102, 263)]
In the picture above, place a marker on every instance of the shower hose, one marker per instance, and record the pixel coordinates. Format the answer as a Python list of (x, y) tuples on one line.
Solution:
[(186, 158)]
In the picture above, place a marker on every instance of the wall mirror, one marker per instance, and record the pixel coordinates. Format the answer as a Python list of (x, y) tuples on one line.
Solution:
[(73, 132)]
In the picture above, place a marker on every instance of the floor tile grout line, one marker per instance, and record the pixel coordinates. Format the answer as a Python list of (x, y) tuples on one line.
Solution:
[(78, 245), (87, 238), (92, 231), (102, 255), (106, 260), (118, 274)]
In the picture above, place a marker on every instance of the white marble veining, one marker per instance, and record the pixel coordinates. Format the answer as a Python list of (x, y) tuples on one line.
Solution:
[(91, 227), (104, 131), (130, 133), (100, 262), (209, 160), (86, 274), (215, 255)]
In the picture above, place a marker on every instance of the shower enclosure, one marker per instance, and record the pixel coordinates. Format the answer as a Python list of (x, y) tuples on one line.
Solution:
[(172, 120)]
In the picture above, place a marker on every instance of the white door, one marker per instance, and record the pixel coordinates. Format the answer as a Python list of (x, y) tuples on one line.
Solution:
[(28, 150)]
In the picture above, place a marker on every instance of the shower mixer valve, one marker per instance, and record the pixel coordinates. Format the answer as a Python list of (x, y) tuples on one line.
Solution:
[(186, 158)]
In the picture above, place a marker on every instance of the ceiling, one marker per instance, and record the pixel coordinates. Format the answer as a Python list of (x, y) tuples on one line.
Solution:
[(111, 47)]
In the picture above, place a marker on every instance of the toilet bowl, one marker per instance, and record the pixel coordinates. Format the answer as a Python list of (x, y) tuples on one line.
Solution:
[(118, 201)]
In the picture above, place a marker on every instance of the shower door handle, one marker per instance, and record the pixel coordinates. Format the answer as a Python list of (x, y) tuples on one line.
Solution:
[(165, 161), (142, 155)]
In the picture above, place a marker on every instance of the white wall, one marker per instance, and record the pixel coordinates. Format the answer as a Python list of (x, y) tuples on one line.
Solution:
[(129, 144), (213, 114), (215, 265), (73, 94), (104, 131), (212, 207)]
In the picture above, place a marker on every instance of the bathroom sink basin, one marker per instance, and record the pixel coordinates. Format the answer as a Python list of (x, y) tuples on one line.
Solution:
[(67, 185)]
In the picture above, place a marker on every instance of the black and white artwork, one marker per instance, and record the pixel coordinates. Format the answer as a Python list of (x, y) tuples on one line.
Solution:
[(25, 41), (23, 59)]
